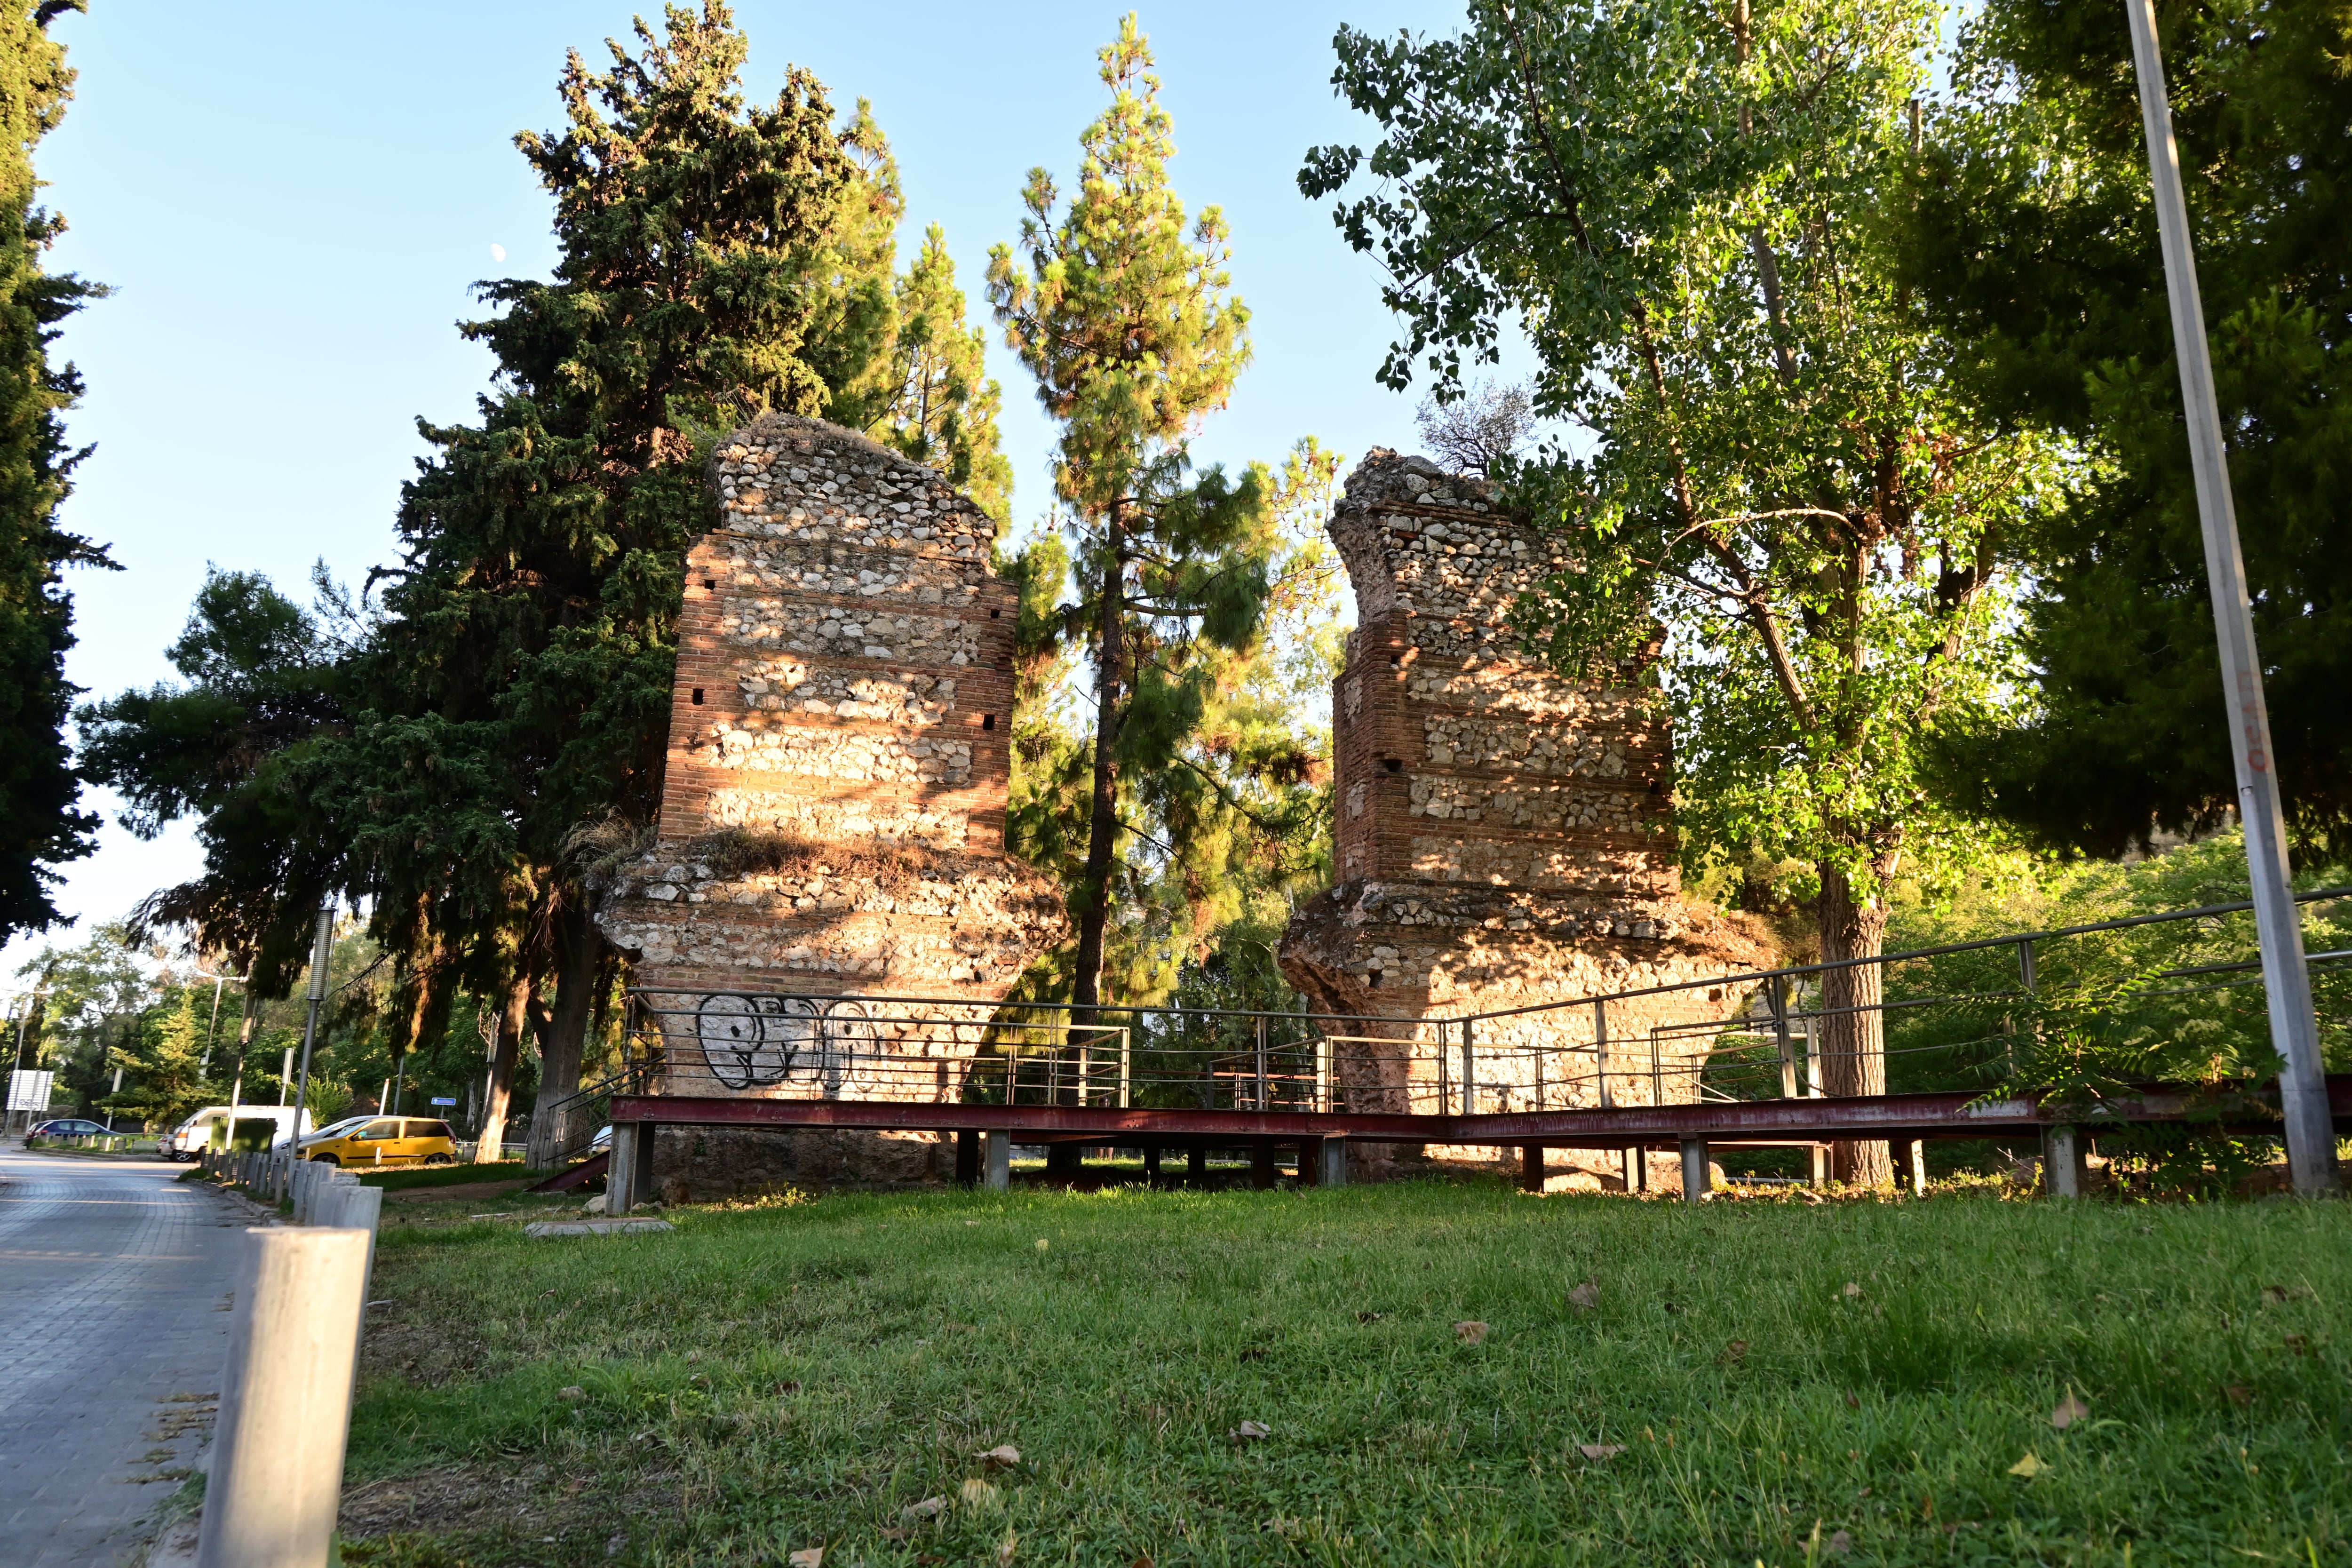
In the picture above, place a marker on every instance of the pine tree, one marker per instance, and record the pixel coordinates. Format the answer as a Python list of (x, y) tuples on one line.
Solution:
[(163, 1074), (1133, 336), (41, 826)]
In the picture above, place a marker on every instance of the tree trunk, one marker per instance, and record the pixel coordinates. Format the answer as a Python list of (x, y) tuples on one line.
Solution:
[(503, 1057), (564, 1029), (1853, 1035), (1102, 827)]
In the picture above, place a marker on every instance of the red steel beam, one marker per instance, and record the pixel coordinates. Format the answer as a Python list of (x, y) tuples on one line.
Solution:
[(1883, 1116)]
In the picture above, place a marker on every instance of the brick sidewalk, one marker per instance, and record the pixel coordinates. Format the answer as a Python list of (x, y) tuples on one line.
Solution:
[(114, 1283)]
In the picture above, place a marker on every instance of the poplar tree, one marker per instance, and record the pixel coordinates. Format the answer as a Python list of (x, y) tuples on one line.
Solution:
[(1686, 209), (41, 826), (1129, 325)]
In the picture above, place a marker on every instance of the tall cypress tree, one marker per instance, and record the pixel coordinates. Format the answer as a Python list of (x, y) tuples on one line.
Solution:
[(501, 720), (40, 827), (1129, 326)]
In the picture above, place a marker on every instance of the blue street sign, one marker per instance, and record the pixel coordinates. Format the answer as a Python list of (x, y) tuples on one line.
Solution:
[(439, 1101)]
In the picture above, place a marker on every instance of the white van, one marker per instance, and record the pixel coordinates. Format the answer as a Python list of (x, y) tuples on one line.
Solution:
[(194, 1136)]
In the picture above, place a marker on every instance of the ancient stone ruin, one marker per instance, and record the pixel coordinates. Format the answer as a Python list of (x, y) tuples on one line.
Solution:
[(1502, 833), (832, 814)]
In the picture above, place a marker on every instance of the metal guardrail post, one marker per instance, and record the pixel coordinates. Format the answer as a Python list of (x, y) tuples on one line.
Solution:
[(1601, 1052), (1777, 993), (1698, 1176), (1126, 1065), (1261, 1063), (1469, 1072), (1322, 1072)]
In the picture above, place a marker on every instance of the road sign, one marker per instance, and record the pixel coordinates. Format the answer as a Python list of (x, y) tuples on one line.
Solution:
[(439, 1101), (29, 1091)]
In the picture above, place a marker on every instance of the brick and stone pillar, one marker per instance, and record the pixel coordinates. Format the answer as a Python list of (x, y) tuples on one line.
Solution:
[(1503, 832), (832, 812)]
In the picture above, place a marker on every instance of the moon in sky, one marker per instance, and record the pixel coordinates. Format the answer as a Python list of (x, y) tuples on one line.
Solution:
[(497, 253)]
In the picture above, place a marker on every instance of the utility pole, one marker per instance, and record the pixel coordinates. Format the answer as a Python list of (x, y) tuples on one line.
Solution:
[(323, 949), (212, 1031), (2286, 978)]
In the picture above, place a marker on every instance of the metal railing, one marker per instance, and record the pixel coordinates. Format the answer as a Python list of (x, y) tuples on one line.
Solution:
[(1953, 1017)]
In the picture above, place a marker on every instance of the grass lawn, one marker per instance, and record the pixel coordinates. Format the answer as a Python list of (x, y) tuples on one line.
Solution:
[(1756, 1380)]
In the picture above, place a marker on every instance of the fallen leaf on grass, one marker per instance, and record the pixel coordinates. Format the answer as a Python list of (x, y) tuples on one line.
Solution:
[(571, 1392), (2238, 1393), (893, 1534), (1368, 1317), (1140, 1563), (1839, 1544), (2296, 1343), (807, 1557), (929, 1508), (1471, 1332), (1004, 1552), (1042, 1244), (1851, 1403), (977, 1493), (1004, 1456), (1733, 1353), (2028, 1467), (1852, 1291), (1585, 1297), (1250, 1432), (1256, 1352), (1596, 1452), (2274, 1294), (2070, 1410)]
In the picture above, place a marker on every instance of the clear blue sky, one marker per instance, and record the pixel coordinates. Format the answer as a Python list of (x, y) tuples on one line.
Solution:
[(291, 202)]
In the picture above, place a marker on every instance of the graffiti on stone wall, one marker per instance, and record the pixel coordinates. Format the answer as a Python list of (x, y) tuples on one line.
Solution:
[(821, 1046)]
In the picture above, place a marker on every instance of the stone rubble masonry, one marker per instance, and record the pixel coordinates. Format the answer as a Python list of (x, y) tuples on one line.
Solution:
[(832, 812), (1504, 833)]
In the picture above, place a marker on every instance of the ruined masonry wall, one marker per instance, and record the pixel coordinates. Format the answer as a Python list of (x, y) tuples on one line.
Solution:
[(1503, 832), (833, 813)]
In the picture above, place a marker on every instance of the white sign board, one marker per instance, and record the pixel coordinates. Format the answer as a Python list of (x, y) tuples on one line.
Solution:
[(29, 1091)]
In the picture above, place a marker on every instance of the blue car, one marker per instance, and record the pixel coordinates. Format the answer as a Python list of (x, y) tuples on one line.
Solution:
[(67, 1126)]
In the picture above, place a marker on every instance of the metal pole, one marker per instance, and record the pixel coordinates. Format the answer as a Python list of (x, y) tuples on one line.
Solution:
[(323, 949), (1261, 1063), (2286, 981), (1126, 1065), (1469, 1068), (211, 1029)]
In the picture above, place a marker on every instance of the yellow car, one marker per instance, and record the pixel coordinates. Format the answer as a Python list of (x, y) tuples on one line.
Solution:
[(382, 1140)]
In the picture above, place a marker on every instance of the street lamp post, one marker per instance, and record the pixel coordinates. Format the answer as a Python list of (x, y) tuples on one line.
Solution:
[(2286, 978), (323, 949)]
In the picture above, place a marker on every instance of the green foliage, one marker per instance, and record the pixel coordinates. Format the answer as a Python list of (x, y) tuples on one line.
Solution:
[(162, 1076), (262, 687), (827, 1365), (2034, 241), (40, 826), (1684, 210)]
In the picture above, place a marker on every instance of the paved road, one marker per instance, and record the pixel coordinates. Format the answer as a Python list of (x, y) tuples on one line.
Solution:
[(114, 1284)]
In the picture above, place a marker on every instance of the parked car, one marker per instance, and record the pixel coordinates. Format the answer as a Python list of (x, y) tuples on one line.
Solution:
[(194, 1136), (67, 1126), (383, 1141)]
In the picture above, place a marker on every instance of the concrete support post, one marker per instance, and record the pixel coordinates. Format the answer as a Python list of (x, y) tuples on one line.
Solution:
[(626, 1177), (1262, 1171), (1332, 1162), (286, 1401), (1531, 1167), (1637, 1175), (1310, 1161), (1919, 1166), (1697, 1177), (967, 1157), (1152, 1161), (1196, 1165), (2061, 1163), (996, 1160)]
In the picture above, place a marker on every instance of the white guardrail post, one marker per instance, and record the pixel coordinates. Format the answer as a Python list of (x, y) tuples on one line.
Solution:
[(286, 1401)]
